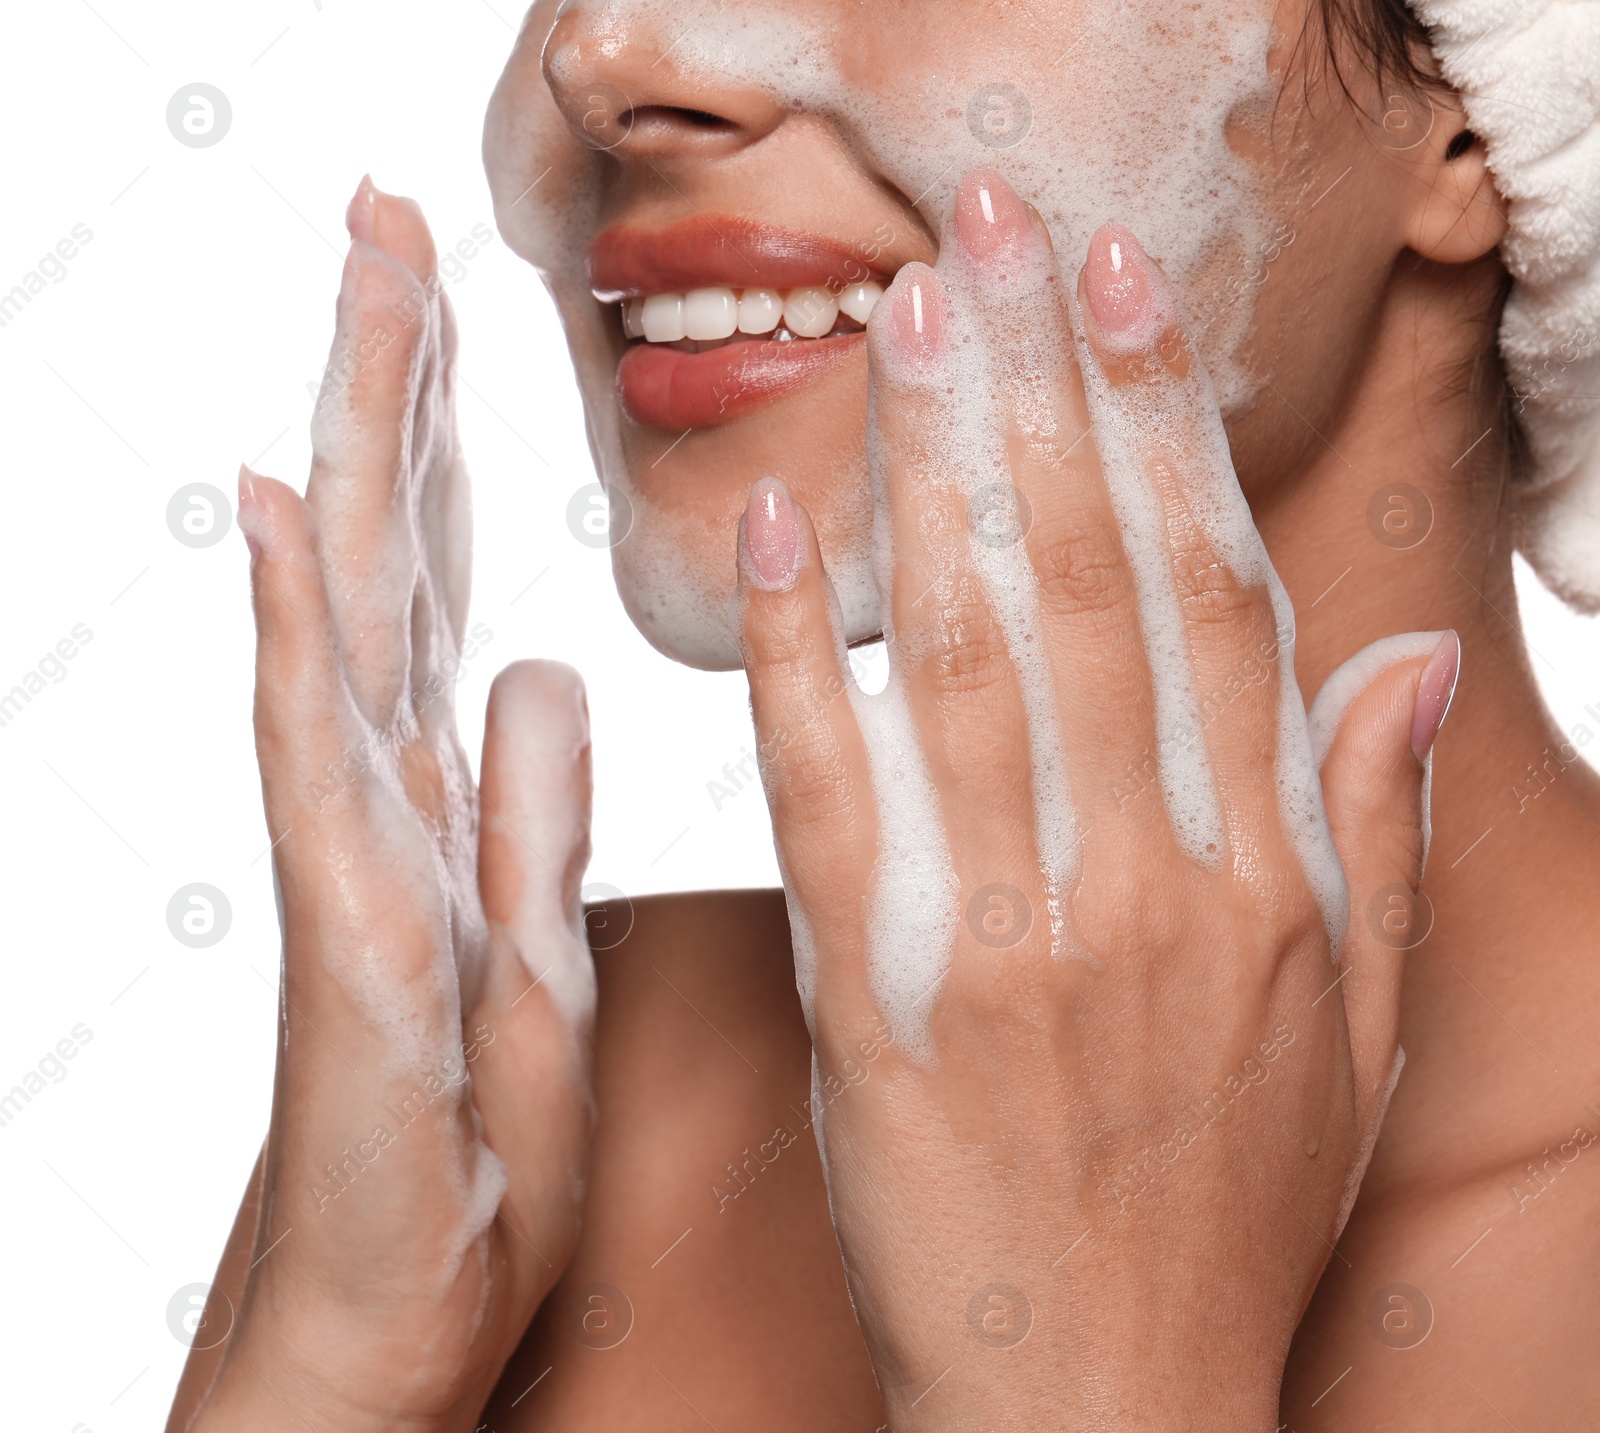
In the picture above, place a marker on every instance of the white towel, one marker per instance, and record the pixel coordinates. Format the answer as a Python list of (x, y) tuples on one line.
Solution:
[(1528, 72)]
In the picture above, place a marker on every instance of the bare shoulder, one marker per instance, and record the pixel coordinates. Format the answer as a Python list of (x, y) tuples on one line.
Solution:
[(1465, 1305), (707, 1283)]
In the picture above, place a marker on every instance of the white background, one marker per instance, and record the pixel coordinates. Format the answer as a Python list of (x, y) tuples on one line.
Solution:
[(181, 342)]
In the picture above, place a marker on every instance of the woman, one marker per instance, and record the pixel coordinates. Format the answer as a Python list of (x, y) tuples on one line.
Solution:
[(1090, 1091)]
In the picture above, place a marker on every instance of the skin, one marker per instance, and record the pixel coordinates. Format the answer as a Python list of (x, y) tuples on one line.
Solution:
[(437, 989), (1375, 328)]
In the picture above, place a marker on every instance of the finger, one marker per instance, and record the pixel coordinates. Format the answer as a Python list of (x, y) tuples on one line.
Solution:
[(814, 762), (1373, 726), (533, 845), (957, 606), (316, 754), (397, 226), (308, 735), (446, 498), (1085, 610), (360, 487), (1206, 584), (529, 1027)]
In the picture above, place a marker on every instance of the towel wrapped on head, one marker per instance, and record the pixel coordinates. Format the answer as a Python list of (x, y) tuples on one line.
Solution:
[(1528, 72)]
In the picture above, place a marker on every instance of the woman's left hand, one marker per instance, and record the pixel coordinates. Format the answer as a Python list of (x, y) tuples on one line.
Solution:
[(1076, 860)]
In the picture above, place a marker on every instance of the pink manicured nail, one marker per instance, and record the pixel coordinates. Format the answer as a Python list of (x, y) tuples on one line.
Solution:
[(1434, 691), (249, 511), (774, 544), (918, 316), (991, 221), (361, 218), (1123, 288)]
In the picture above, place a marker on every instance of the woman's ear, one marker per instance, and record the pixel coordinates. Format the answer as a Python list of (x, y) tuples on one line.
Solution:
[(1457, 215)]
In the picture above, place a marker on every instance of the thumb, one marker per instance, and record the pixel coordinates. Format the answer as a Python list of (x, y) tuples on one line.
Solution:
[(533, 844), (1372, 731)]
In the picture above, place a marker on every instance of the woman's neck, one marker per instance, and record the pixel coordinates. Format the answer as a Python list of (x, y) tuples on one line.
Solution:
[(1516, 812)]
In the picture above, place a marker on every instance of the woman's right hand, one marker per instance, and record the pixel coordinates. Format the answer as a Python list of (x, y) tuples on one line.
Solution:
[(422, 1175), (1076, 858)]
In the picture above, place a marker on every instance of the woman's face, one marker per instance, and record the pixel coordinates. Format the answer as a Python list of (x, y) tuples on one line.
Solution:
[(699, 166)]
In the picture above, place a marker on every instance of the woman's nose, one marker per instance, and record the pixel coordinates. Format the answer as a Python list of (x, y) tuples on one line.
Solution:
[(625, 85)]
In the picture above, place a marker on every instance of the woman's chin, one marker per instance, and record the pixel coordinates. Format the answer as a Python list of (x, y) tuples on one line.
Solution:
[(685, 607)]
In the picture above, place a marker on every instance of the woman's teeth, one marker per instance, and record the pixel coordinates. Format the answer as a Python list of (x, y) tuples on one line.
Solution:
[(716, 314)]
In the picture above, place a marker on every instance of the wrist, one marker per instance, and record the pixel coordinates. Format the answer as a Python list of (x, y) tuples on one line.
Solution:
[(1084, 1391), (274, 1390)]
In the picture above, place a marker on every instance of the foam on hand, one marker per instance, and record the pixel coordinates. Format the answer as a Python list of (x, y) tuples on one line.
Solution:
[(1135, 129), (1348, 682), (915, 899), (1178, 420)]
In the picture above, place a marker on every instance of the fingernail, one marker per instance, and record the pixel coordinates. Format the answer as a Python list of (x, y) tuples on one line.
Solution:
[(773, 543), (361, 218), (991, 221), (1434, 691), (918, 317), (249, 511), (1124, 290)]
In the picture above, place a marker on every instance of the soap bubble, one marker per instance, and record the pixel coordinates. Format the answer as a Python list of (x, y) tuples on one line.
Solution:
[(1400, 516), (999, 916), (600, 1316), (199, 515), (608, 927), (597, 520), (199, 116), (1399, 1316), (999, 116), (199, 916), (999, 1315)]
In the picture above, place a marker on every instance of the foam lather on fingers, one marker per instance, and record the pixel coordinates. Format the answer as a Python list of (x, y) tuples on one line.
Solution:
[(1528, 72), (1349, 681), (1352, 678)]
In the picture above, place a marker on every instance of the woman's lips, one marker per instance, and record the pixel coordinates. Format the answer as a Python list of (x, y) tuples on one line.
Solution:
[(627, 260), (665, 387)]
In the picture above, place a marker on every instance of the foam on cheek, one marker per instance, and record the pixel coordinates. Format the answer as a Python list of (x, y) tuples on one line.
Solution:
[(1130, 107), (1128, 115)]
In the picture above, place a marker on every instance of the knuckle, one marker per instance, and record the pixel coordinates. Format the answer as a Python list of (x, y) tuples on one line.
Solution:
[(959, 650), (810, 781), (968, 654), (1081, 570), (1209, 592), (780, 645)]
